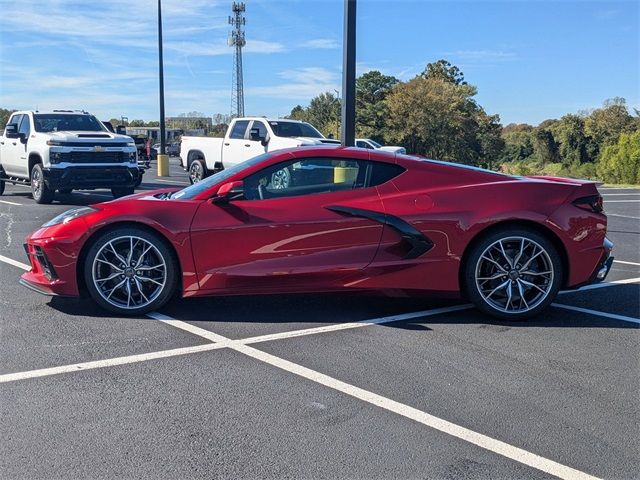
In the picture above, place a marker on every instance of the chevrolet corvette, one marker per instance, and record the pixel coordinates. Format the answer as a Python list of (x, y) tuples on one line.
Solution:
[(348, 219)]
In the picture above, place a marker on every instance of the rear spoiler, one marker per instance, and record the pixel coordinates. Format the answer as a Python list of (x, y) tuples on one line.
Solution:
[(570, 181)]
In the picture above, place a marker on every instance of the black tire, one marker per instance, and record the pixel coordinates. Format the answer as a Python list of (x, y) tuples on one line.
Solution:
[(98, 290), (1, 187), (39, 190), (65, 191), (197, 171), (118, 192), (515, 280)]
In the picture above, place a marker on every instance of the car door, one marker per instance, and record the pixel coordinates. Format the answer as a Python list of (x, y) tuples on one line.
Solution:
[(233, 147), (11, 149), (290, 239)]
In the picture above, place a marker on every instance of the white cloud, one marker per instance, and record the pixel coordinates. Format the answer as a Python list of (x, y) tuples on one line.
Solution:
[(300, 84), (320, 43), (482, 55)]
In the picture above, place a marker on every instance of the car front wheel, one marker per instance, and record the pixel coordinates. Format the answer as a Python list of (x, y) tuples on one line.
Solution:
[(39, 190), (130, 271), (197, 171), (513, 274)]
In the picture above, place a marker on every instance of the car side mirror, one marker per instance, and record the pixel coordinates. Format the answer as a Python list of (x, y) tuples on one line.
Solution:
[(229, 191), (11, 131), (265, 140)]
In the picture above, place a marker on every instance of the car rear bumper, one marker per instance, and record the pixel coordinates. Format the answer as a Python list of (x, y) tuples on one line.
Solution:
[(91, 177), (603, 266)]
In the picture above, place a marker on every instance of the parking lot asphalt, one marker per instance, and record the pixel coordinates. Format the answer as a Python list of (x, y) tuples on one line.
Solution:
[(318, 386)]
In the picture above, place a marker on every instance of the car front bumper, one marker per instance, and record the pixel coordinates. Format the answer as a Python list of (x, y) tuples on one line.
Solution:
[(88, 177)]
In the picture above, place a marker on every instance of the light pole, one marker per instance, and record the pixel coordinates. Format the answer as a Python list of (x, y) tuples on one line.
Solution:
[(163, 159), (349, 75)]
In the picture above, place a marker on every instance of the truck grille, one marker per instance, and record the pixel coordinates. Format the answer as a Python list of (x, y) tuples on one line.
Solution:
[(93, 157)]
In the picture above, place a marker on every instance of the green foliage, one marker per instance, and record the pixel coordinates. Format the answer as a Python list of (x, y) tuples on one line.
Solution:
[(620, 163), (323, 113), (4, 117), (443, 70), (372, 89)]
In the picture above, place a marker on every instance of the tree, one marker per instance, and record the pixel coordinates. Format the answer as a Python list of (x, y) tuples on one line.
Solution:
[(4, 117), (440, 119), (372, 89), (606, 124), (136, 123), (444, 71), (544, 146), (571, 140), (620, 163), (323, 113)]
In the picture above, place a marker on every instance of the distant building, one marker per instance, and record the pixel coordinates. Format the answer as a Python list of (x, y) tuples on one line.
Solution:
[(171, 134), (191, 123)]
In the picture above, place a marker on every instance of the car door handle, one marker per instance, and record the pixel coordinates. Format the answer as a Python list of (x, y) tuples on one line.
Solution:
[(1, 143), (226, 144), (247, 144), (13, 143)]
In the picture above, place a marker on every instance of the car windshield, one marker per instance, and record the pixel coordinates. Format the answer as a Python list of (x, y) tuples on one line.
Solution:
[(294, 129), (60, 122), (197, 188)]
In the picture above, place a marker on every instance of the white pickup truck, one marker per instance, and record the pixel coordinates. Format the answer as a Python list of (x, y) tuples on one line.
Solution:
[(246, 138), (64, 150)]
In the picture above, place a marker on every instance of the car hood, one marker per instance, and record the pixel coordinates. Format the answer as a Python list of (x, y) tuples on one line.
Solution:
[(317, 141), (89, 137)]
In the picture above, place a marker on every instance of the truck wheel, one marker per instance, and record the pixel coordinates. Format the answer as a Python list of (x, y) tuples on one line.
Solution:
[(197, 171), (281, 179), (122, 191), (39, 190), (1, 187)]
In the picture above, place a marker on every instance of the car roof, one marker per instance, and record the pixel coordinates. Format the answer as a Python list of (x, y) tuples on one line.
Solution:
[(267, 119), (53, 112)]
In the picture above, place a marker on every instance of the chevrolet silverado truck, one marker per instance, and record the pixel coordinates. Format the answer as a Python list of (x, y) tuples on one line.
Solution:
[(65, 150), (246, 138)]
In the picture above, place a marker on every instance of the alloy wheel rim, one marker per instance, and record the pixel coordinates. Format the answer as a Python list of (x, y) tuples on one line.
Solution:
[(37, 184), (514, 275), (129, 272), (195, 172), (280, 179)]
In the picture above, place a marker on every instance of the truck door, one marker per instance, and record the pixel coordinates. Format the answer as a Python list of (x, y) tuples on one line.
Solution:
[(253, 146), (11, 150), (234, 145)]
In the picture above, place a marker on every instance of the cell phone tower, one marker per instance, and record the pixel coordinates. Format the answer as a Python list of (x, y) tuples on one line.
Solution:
[(237, 40)]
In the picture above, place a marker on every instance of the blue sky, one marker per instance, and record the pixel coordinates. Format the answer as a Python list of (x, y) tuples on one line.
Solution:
[(530, 60)]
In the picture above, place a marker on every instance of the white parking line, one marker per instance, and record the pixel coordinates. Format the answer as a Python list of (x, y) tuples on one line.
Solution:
[(621, 201), (623, 216), (15, 263), (627, 263), (11, 203), (170, 181), (457, 431), (593, 286), (597, 313), (619, 194), (109, 362)]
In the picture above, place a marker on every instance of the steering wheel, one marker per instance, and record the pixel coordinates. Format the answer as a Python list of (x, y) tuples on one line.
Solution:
[(261, 191)]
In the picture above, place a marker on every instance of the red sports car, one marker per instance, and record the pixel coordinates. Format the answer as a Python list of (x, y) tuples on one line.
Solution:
[(346, 219)]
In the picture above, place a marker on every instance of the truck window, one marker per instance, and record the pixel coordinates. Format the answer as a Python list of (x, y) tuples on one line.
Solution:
[(25, 127), (283, 128), (262, 128), (15, 120), (239, 129)]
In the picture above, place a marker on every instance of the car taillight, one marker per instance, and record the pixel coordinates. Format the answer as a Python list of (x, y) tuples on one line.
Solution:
[(592, 203)]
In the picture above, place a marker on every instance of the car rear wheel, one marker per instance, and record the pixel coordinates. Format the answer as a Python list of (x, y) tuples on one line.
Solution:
[(197, 171), (39, 190), (130, 271), (513, 274)]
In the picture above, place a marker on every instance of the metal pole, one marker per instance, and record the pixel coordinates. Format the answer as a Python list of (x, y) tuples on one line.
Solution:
[(349, 75), (163, 161)]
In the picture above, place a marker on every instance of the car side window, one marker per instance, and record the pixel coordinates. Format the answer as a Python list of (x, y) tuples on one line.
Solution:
[(307, 176), (383, 172), (239, 129), (25, 127)]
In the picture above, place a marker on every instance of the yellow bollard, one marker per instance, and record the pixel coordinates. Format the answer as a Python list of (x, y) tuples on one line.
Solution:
[(163, 165)]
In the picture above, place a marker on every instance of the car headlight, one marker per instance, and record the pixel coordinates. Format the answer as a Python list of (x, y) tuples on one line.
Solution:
[(55, 143), (70, 215), (131, 144)]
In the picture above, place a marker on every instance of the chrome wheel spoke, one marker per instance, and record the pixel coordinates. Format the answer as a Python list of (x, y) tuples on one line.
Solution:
[(129, 272), (514, 274)]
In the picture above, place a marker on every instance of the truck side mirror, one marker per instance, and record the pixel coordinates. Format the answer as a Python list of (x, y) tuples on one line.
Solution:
[(11, 130), (229, 191)]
